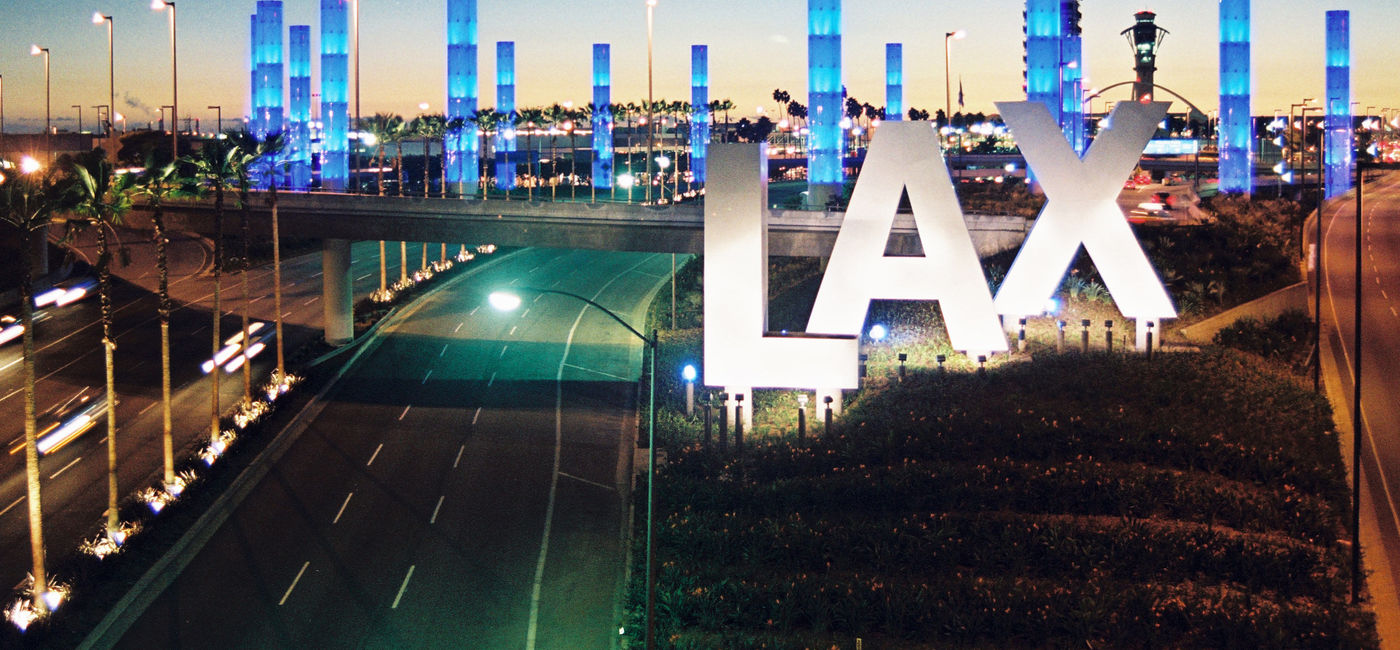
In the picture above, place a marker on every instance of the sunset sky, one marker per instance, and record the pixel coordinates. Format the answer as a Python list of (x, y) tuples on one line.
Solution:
[(755, 47)]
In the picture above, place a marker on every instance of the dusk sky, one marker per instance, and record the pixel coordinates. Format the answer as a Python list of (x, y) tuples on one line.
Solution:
[(755, 46)]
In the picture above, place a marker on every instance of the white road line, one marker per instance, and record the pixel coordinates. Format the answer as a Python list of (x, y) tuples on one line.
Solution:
[(294, 583), (340, 512), (474, 310), (477, 415), (256, 299), (537, 298), (580, 479), (425, 377), (16, 440), (492, 381), (405, 412), (459, 327), (402, 588), (7, 366), (143, 411), (375, 455), (1385, 295), (444, 351), (596, 372), (525, 313), (316, 274), (361, 278), (503, 351), (308, 302), (287, 315), (11, 506), (65, 468), (454, 463), (433, 520), (512, 330), (1394, 313)]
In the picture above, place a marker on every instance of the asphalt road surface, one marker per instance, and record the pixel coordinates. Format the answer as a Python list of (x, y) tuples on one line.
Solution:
[(465, 484), (1380, 379), (70, 360)]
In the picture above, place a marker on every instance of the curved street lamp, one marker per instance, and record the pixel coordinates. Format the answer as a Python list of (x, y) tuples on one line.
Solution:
[(98, 19), (509, 301), (161, 5), (35, 50)]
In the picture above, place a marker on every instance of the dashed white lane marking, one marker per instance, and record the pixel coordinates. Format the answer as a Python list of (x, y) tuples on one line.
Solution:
[(1394, 313), (65, 468), (1385, 295), (459, 327), (525, 313), (580, 479), (512, 330), (340, 512), (492, 381), (474, 310), (294, 583), (477, 415), (537, 298), (425, 377), (363, 277), (402, 588), (11, 506), (405, 412), (460, 450), (287, 315), (375, 455), (444, 351), (256, 299), (308, 302), (143, 411), (433, 520), (596, 372), (503, 351)]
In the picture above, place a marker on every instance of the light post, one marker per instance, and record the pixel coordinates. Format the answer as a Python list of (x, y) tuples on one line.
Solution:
[(172, 115), (1303, 115), (160, 5), (688, 374), (1291, 107), (98, 19), (2, 106), (948, 39), (355, 37), (508, 301), (35, 50), (80, 116), (103, 109), (218, 119), (651, 107)]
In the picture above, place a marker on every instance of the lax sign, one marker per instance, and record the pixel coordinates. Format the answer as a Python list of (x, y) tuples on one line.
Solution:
[(1081, 208)]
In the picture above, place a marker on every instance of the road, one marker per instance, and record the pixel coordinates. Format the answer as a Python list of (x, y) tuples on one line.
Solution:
[(1380, 365), (69, 359), (463, 486)]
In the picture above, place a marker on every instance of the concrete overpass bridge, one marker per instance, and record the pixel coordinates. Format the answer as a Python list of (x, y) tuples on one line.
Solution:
[(339, 219)]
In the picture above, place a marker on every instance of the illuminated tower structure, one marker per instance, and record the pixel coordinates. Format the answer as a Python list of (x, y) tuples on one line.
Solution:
[(1145, 37), (335, 108), (1071, 75), (700, 110), (298, 138), (894, 82), (267, 74), (1338, 144), (461, 151), (505, 103), (1236, 133), (826, 142), (602, 117), (1043, 25)]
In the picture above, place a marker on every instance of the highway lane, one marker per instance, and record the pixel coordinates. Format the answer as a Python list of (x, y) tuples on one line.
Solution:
[(70, 360), (464, 486), (1380, 351)]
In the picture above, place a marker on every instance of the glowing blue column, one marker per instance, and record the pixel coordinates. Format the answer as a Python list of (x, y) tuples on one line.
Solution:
[(1043, 24), (335, 111), (461, 153), (298, 142), (1071, 76), (1339, 149), (894, 82), (700, 111), (1236, 134), (505, 103), (602, 117), (826, 176), (267, 58)]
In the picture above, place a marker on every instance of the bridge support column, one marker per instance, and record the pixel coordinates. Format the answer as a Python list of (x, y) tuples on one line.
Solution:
[(336, 292)]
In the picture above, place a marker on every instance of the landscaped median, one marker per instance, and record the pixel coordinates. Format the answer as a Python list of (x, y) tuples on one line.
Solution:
[(1092, 500)]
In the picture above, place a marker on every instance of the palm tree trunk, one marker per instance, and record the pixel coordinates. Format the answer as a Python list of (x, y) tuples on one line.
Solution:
[(163, 270), (281, 375), (443, 168), (442, 257), (424, 263), (218, 312), (427, 167), (398, 162), (379, 171), (109, 345), (247, 304), (383, 271), (403, 262), (31, 441)]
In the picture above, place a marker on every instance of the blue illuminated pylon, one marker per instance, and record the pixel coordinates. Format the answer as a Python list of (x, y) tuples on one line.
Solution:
[(505, 103), (894, 81), (335, 112), (267, 75), (461, 153), (700, 110), (1071, 76), (1043, 25), (826, 174), (602, 117), (298, 140), (1236, 135), (1339, 158)]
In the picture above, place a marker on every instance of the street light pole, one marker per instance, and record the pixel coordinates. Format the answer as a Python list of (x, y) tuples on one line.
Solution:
[(506, 301), (651, 107), (80, 116), (35, 50), (355, 13), (219, 119), (948, 39), (158, 5), (98, 19)]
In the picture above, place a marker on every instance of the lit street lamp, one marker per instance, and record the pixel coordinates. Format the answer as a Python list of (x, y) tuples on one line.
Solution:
[(35, 50), (160, 5), (651, 110), (98, 19), (508, 301)]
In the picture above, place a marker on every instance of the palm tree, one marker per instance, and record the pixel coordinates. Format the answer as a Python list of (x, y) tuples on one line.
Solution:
[(552, 117), (269, 148), (27, 202), (157, 182), (452, 129), (403, 130), (244, 164), (381, 127), (431, 127), (485, 121), (213, 165), (726, 105), (531, 117), (102, 198)]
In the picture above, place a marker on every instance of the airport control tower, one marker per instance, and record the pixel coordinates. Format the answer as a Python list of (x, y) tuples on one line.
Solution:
[(1144, 37)]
